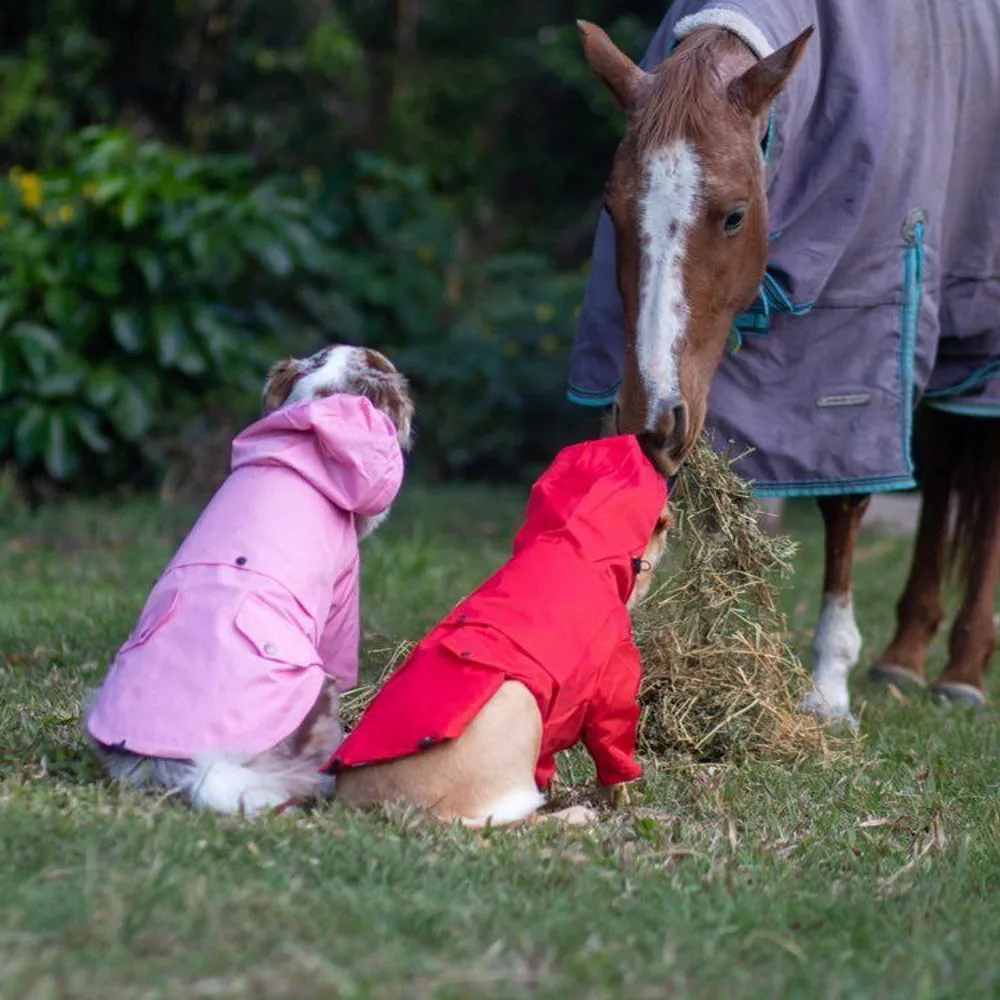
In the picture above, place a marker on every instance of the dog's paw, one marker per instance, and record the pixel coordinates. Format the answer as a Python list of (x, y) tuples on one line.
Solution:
[(573, 816), (616, 796)]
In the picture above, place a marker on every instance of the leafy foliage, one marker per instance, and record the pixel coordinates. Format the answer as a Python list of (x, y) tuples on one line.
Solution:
[(267, 177), (134, 278)]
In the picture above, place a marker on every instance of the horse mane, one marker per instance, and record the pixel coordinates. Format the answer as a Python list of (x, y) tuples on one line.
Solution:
[(688, 92)]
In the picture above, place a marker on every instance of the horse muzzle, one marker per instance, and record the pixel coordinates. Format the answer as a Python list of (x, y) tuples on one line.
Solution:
[(665, 443)]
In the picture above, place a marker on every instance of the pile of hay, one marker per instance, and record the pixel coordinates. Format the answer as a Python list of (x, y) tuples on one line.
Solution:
[(721, 681)]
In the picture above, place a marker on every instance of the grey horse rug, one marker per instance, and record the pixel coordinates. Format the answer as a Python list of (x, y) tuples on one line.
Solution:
[(883, 281)]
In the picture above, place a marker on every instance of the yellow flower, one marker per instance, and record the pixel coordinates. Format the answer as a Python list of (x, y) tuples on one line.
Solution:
[(544, 313), (89, 190), (549, 344), (31, 188), (66, 214), (425, 254)]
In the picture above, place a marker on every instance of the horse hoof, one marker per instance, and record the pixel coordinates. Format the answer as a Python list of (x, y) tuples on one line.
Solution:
[(885, 674), (842, 720), (830, 715), (957, 693)]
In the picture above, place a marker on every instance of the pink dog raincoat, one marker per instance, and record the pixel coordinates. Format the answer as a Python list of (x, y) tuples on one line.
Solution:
[(260, 603)]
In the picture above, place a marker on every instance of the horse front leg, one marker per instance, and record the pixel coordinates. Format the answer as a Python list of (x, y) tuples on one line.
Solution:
[(837, 641)]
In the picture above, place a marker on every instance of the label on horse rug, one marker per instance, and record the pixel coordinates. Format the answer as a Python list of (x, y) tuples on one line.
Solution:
[(845, 399)]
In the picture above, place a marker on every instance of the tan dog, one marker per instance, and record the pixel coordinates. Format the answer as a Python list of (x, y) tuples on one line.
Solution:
[(489, 772)]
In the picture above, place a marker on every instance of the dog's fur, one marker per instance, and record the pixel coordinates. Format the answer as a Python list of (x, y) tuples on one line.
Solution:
[(487, 775), (236, 782)]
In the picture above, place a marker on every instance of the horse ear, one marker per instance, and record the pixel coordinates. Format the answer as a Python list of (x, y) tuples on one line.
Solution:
[(760, 85), (614, 69)]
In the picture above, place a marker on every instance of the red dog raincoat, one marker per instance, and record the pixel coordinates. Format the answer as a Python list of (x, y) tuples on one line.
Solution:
[(553, 617)]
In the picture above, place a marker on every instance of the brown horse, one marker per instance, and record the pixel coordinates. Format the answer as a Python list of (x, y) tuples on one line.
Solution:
[(687, 199)]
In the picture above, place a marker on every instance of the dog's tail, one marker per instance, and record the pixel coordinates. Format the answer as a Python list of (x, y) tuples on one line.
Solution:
[(228, 783), (225, 784)]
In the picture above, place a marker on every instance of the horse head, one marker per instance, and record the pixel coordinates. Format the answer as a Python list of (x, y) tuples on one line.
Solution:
[(686, 196)]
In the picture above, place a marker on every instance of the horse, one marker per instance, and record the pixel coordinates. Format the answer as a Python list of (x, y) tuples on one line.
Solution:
[(860, 325)]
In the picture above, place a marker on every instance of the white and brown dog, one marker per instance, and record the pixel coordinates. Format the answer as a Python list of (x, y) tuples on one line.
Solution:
[(227, 689)]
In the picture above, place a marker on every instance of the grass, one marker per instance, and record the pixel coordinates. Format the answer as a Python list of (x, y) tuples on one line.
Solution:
[(876, 878)]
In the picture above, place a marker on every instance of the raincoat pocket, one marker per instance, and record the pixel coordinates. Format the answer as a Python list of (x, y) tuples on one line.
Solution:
[(159, 611), (273, 634)]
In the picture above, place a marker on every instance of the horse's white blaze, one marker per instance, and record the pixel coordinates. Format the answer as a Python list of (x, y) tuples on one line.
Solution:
[(836, 648), (667, 212)]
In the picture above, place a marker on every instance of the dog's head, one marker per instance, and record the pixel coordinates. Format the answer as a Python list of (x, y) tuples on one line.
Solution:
[(355, 371)]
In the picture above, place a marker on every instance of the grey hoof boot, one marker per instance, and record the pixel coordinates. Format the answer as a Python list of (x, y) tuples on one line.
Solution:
[(885, 674), (957, 693)]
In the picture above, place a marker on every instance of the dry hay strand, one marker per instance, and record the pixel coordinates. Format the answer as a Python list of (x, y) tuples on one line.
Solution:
[(354, 702), (720, 681)]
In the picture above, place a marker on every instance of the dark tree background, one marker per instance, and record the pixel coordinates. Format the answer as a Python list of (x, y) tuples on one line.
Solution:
[(268, 175)]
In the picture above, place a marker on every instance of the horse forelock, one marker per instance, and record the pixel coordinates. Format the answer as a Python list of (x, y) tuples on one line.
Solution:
[(687, 97)]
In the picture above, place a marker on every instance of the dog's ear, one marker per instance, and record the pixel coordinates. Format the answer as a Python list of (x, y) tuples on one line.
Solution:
[(280, 381), (389, 392)]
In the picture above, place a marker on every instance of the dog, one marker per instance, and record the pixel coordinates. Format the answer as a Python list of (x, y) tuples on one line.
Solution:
[(227, 690), (539, 657)]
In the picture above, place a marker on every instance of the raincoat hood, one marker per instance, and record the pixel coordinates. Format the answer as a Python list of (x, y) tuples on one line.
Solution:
[(342, 445), (603, 497)]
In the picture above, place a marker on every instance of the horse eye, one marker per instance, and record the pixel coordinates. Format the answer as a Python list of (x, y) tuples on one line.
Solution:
[(735, 218)]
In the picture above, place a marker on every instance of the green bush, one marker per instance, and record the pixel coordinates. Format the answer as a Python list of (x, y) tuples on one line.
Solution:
[(141, 281), (136, 278)]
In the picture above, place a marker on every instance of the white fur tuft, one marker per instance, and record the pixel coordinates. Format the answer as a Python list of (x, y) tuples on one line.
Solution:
[(225, 785), (510, 808), (333, 376)]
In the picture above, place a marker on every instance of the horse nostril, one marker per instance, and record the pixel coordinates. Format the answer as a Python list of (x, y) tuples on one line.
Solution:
[(680, 422), (671, 422), (665, 440)]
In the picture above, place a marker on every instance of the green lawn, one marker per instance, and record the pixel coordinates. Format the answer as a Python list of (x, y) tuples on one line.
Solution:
[(877, 878)]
